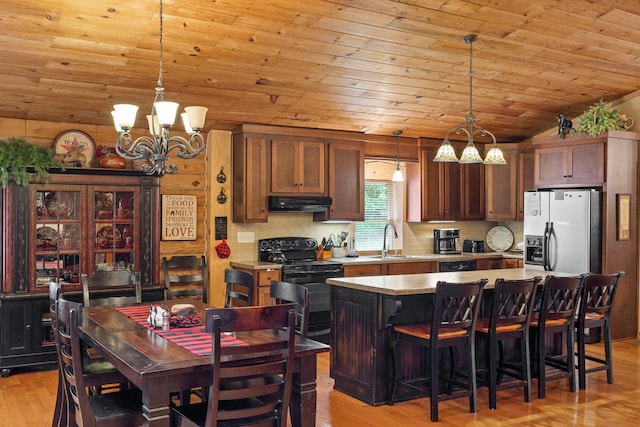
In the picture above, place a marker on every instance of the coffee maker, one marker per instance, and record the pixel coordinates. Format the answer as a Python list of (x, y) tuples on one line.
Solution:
[(446, 241)]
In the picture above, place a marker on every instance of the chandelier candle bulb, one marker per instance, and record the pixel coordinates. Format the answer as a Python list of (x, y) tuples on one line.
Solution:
[(124, 116), (196, 116), (166, 111), (154, 126)]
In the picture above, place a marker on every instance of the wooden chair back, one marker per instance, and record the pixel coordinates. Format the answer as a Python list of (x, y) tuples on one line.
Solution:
[(598, 292), (119, 287), (512, 304), (255, 387), (60, 414), (121, 408), (239, 292), (185, 276), (455, 310), (286, 292), (560, 298)]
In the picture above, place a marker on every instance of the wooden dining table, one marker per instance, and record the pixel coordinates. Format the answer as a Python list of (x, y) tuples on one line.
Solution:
[(158, 366)]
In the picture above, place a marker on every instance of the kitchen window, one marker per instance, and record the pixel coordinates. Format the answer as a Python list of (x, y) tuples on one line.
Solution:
[(383, 203)]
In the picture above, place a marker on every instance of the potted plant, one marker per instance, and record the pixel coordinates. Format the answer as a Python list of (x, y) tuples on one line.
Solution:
[(598, 119), (16, 155)]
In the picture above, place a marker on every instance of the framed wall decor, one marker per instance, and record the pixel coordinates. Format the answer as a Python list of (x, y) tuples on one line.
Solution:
[(179, 217), (623, 220)]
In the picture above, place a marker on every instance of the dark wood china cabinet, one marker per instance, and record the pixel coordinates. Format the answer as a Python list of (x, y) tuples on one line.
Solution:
[(81, 221)]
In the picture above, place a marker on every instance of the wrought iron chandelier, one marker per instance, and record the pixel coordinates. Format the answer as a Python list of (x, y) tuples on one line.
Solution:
[(470, 154), (155, 149)]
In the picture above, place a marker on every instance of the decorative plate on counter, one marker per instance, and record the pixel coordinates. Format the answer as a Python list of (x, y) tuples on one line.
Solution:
[(499, 238)]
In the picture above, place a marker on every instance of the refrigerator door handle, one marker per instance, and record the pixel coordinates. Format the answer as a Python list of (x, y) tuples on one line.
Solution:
[(551, 261), (545, 246)]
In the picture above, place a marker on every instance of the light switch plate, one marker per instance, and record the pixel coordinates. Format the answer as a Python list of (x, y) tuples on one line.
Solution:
[(246, 237)]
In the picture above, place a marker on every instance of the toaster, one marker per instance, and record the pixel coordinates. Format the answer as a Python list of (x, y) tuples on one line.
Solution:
[(473, 246)]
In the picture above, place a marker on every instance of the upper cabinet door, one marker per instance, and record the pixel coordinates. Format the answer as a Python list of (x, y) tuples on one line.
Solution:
[(502, 188), (346, 181), (249, 152), (297, 165), (573, 165)]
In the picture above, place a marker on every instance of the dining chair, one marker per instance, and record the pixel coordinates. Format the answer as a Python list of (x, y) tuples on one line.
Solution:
[(185, 276), (254, 386), (120, 408), (118, 287), (239, 288), (60, 413), (509, 315), (286, 292), (598, 292), (555, 314), (453, 319)]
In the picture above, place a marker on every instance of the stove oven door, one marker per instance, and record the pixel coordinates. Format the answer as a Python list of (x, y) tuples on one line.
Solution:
[(319, 297)]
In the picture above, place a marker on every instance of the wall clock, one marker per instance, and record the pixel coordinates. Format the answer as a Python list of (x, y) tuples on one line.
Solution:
[(75, 148)]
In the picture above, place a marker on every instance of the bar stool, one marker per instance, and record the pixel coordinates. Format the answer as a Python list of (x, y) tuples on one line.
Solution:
[(453, 319), (509, 320), (556, 314), (594, 312)]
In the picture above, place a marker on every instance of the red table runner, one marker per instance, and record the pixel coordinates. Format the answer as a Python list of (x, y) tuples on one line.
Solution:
[(194, 339)]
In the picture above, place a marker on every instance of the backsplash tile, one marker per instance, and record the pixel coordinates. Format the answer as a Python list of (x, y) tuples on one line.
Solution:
[(417, 237)]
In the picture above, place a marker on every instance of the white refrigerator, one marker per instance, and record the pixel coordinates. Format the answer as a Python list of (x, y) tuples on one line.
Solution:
[(563, 231)]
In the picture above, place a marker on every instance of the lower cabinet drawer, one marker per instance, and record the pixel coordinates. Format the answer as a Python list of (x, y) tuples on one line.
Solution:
[(362, 270)]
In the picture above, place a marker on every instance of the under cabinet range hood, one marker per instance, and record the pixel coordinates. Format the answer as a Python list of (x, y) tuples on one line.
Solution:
[(298, 204)]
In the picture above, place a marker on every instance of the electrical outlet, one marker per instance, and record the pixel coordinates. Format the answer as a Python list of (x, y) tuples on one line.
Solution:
[(246, 237)]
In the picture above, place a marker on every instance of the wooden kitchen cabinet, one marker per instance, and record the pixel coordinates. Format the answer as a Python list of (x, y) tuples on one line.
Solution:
[(249, 159), (489, 263), (448, 191), (297, 165), (362, 270), (570, 165), (345, 181), (506, 185), (262, 283), (502, 188), (391, 268), (526, 168), (410, 267)]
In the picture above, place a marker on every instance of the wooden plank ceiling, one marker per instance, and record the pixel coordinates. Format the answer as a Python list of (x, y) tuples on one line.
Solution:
[(369, 66)]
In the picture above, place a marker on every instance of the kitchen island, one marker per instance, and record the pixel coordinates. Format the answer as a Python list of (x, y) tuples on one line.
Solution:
[(362, 312)]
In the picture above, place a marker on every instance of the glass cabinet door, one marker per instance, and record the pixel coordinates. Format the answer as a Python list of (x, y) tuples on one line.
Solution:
[(114, 214), (58, 234)]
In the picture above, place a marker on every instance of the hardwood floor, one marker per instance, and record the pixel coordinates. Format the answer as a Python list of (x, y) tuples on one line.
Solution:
[(27, 398)]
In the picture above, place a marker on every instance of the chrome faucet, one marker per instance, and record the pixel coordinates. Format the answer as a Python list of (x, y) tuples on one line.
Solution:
[(385, 250)]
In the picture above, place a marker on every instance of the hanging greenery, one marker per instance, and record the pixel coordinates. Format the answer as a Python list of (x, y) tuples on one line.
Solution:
[(16, 155), (598, 119)]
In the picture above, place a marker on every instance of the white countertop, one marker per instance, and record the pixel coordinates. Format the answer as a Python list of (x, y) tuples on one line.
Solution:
[(414, 284), (390, 259)]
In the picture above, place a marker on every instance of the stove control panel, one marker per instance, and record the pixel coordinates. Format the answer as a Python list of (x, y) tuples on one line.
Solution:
[(280, 249)]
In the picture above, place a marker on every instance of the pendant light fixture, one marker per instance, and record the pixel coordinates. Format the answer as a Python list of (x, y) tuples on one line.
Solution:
[(470, 154), (155, 149), (397, 174)]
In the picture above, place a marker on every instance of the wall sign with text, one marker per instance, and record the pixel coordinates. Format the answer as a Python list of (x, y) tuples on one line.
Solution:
[(179, 214)]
